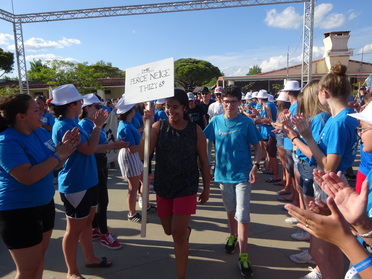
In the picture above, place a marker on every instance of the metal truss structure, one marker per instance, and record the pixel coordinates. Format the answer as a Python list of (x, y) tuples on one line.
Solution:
[(18, 19)]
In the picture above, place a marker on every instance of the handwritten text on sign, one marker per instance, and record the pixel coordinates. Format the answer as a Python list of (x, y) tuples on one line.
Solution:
[(150, 82)]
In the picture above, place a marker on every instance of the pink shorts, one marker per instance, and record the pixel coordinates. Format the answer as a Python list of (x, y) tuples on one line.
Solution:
[(183, 206)]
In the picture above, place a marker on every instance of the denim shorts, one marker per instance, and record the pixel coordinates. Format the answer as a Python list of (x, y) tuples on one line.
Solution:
[(279, 139), (236, 199), (307, 177)]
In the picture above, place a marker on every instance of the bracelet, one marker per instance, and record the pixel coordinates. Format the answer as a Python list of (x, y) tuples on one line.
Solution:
[(367, 262), (56, 157), (365, 235), (294, 138)]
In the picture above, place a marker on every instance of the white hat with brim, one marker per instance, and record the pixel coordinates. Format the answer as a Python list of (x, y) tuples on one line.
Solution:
[(262, 94), (121, 107), (365, 115), (254, 94), (160, 102), (90, 99), (249, 96), (282, 98), (65, 94), (291, 85), (270, 98)]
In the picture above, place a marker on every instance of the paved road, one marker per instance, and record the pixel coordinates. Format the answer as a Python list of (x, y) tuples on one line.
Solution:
[(153, 257)]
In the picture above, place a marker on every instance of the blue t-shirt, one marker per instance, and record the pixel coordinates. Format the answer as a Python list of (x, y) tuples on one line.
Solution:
[(339, 137), (129, 133), (287, 142), (365, 161), (17, 149), (47, 118), (233, 139), (79, 171), (88, 126), (265, 130), (317, 124), (159, 115)]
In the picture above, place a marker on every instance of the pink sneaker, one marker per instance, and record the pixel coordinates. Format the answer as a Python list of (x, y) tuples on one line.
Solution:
[(96, 233), (108, 241)]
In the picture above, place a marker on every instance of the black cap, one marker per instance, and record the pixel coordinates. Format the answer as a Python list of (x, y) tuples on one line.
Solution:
[(205, 89)]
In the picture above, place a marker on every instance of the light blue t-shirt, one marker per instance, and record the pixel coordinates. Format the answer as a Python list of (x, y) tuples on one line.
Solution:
[(47, 118), (287, 142), (233, 139), (129, 133), (88, 126), (17, 149), (79, 171), (339, 137), (317, 124), (160, 114)]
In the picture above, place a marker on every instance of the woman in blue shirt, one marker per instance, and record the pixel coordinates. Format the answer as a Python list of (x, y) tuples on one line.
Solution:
[(100, 231), (78, 179), (28, 157), (333, 151)]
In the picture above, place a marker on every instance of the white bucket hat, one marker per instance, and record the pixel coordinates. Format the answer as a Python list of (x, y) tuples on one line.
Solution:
[(254, 94), (65, 94), (121, 107), (249, 96), (160, 101), (291, 85), (270, 98), (365, 115), (90, 99), (262, 94), (282, 97)]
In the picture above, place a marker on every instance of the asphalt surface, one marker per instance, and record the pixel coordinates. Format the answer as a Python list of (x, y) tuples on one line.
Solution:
[(153, 257)]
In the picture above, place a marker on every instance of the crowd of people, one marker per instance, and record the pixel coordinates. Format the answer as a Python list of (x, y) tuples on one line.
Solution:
[(311, 132)]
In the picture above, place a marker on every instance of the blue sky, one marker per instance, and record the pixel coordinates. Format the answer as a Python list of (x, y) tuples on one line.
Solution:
[(232, 39)]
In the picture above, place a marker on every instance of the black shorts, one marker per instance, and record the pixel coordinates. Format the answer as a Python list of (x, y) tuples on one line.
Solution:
[(23, 228), (271, 147), (78, 205), (289, 162)]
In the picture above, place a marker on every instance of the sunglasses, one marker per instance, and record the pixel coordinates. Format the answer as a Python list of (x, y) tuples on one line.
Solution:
[(98, 106)]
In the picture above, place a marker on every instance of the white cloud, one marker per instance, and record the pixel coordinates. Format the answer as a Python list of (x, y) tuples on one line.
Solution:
[(6, 39), (352, 15), (324, 20), (287, 19), (50, 56), (366, 49), (40, 44)]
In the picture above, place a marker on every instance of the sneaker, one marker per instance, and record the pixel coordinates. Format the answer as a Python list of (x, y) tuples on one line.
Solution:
[(152, 209), (137, 218), (314, 274), (300, 235), (244, 265), (230, 244), (96, 233), (140, 202), (108, 241), (302, 258), (291, 220)]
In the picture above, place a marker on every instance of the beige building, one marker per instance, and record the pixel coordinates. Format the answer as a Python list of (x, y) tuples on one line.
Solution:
[(336, 51)]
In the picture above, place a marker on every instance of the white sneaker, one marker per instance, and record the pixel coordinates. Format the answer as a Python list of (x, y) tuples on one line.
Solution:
[(291, 220), (302, 258), (314, 274), (140, 202), (301, 235)]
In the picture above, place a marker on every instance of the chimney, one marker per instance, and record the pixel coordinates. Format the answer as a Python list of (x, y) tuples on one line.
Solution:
[(335, 48)]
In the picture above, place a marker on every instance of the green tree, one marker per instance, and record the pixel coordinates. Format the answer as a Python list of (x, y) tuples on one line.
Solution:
[(254, 70), (189, 73), (83, 76), (6, 61)]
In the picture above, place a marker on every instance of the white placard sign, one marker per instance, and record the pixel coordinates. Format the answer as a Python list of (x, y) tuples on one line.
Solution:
[(149, 82)]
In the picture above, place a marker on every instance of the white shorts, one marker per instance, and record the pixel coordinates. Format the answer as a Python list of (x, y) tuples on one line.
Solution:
[(130, 163)]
